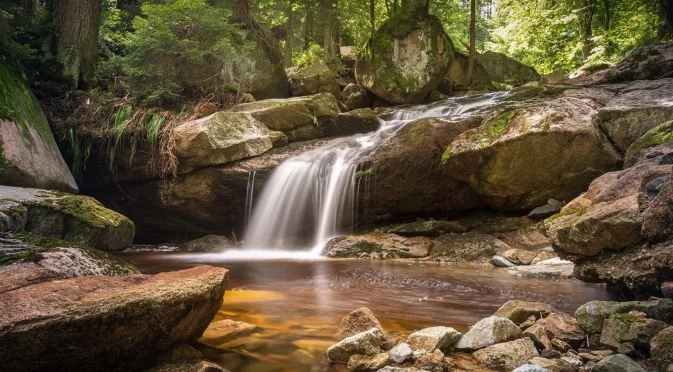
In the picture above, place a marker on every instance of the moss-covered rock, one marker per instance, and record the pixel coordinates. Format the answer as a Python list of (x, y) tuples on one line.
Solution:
[(532, 152), (126, 321), (407, 57), (430, 228), (641, 106), (377, 246), (507, 70), (29, 156), (218, 139), (300, 118), (73, 218), (312, 80), (467, 247), (656, 136), (456, 78), (662, 349)]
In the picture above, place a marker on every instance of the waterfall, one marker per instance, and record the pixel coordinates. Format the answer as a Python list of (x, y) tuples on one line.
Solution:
[(312, 197)]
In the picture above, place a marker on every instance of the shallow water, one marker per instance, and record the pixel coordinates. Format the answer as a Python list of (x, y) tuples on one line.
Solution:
[(299, 304)]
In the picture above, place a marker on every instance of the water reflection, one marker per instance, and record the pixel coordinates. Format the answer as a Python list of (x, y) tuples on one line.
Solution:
[(299, 304)]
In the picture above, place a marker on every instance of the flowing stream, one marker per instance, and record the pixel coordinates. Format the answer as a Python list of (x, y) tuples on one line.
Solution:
[(312, 197)]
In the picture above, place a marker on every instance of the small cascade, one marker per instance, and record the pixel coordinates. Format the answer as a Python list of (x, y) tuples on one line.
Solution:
[(249, 197), (314, 196)]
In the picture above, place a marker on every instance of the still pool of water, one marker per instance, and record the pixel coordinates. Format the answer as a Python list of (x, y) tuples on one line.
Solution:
[(298, 304)]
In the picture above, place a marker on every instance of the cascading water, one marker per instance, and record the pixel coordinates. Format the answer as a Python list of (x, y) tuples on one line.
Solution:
[(312, 197)]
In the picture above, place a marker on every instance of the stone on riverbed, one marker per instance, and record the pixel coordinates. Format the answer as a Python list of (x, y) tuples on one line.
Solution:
[(400, 353), (433, 338), (508, 355), (662, 349), (553, 365), (564, 327), (358, 321), (551, 268), (632, 327), (428, 228), (487, 332), (365, 343), (530, 368), (519, 311), (500, 261), (617, 363), (358, 363), (378, 246), (126, 321), (519, 256), (592, 314)]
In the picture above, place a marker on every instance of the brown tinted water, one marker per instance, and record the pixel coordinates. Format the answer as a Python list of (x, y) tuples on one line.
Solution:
[(299, 304)]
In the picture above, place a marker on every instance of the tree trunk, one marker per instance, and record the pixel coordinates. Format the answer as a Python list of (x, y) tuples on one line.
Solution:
[(473, 41), (77, 26), (331, 36), (309, 24), (606, 10), (586, 27), (665, 19), (290, 34), (372, 17)]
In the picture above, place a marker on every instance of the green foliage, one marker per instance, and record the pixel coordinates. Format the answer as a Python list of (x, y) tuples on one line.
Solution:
[(153, 128), (121, 120), (314, 55), (80, 155), (178, 50)]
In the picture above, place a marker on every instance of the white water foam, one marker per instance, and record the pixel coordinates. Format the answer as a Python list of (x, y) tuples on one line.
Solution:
[(311, 197)]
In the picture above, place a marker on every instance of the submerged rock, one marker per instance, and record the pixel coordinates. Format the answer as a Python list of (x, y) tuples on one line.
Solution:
[(365, 343), (530, 368), (73, 218), (407, 57), (508, 355), (208, 243), (433, 338), (127, 321), (358, 321), (29, 156), (487, 332)]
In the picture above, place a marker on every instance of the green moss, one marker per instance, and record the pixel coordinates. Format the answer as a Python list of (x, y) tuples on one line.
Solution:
[(496, 127), (655, 137), (47, 243), (579, 213), (24, 256), (4, 163), (18, 104), (447, 154), (625, 317), (86, 210)]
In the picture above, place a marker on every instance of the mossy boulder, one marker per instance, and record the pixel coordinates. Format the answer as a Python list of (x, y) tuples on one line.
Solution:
[(407, 57), (523, 156), (127, 321), (630, 328), (662, 349), (312, 80), (377, 246), (29, 156), (638, 108), (430, 228), (503, 69), (466, 247), (352, 122), (253, 71), (219, 139), (656, 136), (208, 243), (300, 118), (456, 77), (592, 315), (73, 218)]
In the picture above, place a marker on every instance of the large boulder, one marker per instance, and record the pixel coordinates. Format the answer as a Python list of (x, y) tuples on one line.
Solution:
[(507, 70), (407, 57), (219, 139), (433, 338), (639, 107), (467, 247), (649, 62), (591, 316), (365, 343), (312, 80), (257, 70), (409, 178), (519, 311), (300, 118), (73, 218), (525, 156), (563, 327), (358, 321), (29, 156), (488, 331), (432, 228), (617, 363), (631, 328), (456, 78), (647, 145), (126, 321)]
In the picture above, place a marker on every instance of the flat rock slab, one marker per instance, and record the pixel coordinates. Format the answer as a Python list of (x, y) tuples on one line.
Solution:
[(106, 323), (551, 268)]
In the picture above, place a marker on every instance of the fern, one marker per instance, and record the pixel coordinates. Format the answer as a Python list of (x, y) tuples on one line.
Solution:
[(153, 128)]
